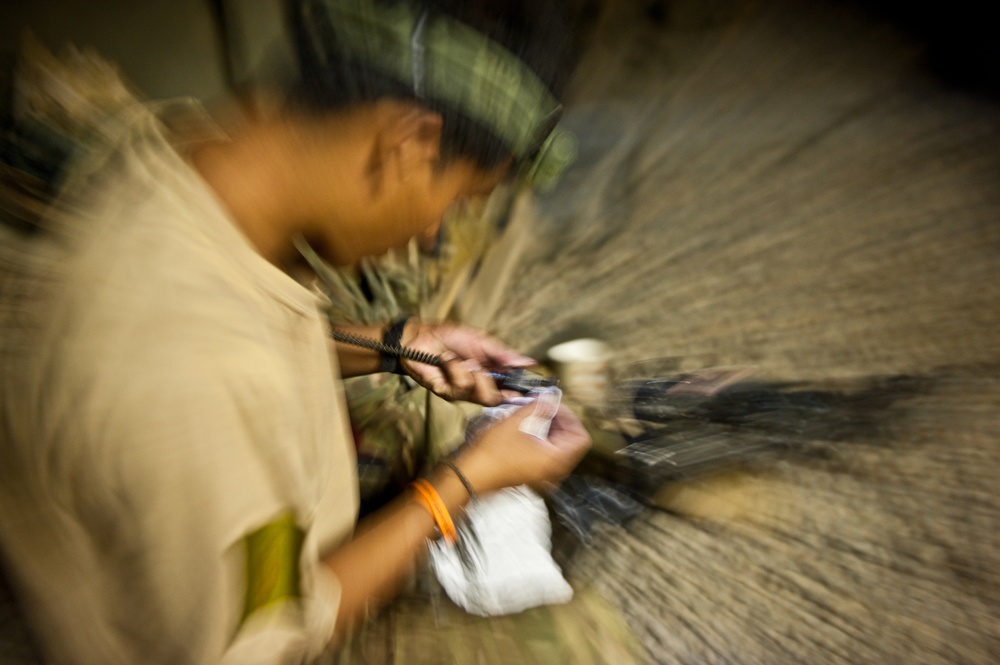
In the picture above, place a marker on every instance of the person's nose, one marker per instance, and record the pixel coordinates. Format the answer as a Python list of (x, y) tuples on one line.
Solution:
[(428, 238)]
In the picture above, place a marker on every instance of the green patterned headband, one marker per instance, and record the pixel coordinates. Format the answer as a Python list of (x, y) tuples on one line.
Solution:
[(444, 60)]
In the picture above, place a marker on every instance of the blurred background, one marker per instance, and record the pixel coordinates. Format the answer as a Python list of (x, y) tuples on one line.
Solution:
[(810, 189), (198, 48)]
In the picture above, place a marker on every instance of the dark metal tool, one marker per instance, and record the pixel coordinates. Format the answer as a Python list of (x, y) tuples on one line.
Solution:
[(522, 380)]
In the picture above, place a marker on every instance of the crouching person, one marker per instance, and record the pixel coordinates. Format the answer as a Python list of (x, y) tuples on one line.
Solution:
[(178, 481)]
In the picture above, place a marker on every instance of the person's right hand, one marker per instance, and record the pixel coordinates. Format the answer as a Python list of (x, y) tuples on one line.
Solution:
[(504, 456)]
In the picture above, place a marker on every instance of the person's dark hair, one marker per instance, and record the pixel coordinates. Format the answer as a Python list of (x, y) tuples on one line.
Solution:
[(536, 31)]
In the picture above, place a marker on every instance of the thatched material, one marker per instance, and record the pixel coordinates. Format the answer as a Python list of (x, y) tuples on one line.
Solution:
[(785, 184)]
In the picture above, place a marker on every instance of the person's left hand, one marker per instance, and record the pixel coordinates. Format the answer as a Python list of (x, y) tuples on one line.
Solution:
[(465, 353)]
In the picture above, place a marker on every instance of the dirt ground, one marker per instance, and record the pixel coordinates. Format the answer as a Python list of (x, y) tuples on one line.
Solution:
[(802, 187)]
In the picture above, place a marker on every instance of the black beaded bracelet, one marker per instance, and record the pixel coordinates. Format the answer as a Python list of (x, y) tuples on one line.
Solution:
[(393, 338)]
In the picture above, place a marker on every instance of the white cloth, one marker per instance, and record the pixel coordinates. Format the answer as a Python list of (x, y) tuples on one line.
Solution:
[(512, 567), (513, 570), (165, 392)]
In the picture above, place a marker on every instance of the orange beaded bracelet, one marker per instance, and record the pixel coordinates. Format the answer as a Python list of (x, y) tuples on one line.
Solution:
[(428, 497)]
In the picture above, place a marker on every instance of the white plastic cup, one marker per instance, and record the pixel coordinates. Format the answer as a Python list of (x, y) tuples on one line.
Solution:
[(583, 367)]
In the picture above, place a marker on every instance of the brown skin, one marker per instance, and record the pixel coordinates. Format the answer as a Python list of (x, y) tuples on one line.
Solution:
[(355, 183)]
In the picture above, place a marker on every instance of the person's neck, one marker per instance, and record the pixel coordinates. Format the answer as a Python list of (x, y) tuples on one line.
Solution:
[(245, 175), (275, 183)]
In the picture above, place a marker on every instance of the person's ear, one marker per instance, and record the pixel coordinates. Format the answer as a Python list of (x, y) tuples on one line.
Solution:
[(410, 140)]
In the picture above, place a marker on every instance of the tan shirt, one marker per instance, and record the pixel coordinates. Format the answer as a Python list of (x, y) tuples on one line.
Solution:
[(165, 393)]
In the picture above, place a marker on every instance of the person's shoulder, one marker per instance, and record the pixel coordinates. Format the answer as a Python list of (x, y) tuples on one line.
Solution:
[(143, 309), (182, 398)]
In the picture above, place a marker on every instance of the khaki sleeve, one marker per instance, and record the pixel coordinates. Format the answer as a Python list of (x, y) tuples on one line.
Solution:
[(220, 552)]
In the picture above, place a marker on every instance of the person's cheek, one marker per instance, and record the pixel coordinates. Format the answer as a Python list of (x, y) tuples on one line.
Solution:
[(432, 231)]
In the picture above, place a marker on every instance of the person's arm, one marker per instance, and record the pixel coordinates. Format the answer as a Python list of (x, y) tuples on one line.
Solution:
[(356, 360), (375, 563)]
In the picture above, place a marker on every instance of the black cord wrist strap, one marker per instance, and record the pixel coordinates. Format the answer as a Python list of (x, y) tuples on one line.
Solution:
[(389, 352), (390, 362)]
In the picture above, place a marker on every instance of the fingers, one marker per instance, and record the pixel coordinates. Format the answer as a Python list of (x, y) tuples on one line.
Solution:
[(497, 354), (529, 459), (477, 344), (545, 409), (568, 435), (458, 379), (451, 380), (567, 426), (475, 384), (566, 431), (486, 391)]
